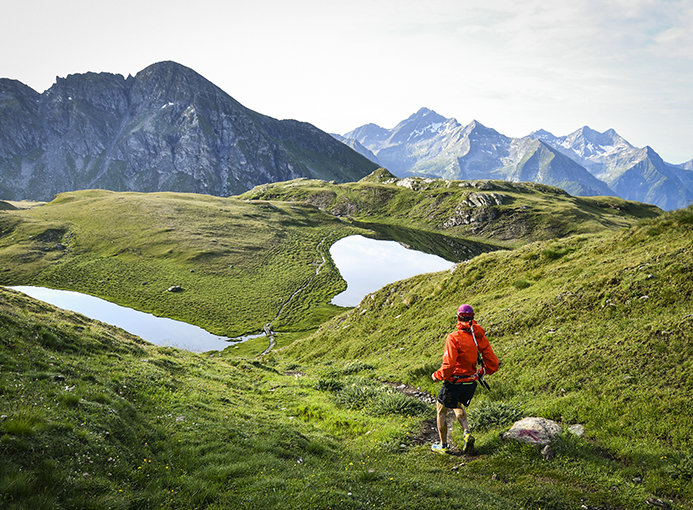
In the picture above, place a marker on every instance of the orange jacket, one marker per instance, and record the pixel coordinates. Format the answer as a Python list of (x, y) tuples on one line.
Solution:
[(460, 356)]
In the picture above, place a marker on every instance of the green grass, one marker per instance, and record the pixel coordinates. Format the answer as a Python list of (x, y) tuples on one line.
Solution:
[(238, 263), (601, 337), (497, 212), (593, 328), (242, 261), (95, 418)]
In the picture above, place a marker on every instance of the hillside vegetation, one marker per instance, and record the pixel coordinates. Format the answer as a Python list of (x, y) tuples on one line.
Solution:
[(591, 329), (246, 263), (94, 418), (500, 211), (239, 263)]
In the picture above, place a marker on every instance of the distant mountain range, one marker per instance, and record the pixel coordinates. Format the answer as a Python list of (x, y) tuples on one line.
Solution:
[(165, 129), (170, 129), (582, 163)]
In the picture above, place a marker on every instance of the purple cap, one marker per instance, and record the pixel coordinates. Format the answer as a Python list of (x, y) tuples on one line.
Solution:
[(465, 310)]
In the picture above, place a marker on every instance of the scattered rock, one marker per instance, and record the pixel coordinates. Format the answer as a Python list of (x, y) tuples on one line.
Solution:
[(413, 391), (547, 452), (175, 288), (533, 430), (659, 503), (577, 429)]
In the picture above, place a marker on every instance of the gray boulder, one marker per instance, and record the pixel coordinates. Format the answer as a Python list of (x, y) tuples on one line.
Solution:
[(539, 431)]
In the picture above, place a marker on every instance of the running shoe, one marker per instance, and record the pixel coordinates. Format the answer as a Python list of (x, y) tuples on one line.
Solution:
[(468, 442), (443, 449)]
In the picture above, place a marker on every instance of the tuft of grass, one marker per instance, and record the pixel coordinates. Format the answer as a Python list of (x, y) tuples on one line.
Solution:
[(490, 414)]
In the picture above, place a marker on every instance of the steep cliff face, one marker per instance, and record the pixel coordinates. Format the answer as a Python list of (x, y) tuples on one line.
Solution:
[(166, 129)]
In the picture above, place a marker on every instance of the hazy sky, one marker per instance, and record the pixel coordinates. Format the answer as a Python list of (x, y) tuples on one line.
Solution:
[(513, 65)]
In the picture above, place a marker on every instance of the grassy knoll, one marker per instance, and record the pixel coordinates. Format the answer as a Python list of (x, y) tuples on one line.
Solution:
[(241, 260), (594, 330), (502, 212), (239, 263)]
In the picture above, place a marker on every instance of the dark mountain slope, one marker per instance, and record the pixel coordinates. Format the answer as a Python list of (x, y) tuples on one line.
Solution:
[(166, 129)]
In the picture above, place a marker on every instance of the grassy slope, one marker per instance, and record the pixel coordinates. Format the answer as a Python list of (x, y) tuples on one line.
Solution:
[(241, 261), (155, 427), (93, 418), (238, 262), (596, 330)]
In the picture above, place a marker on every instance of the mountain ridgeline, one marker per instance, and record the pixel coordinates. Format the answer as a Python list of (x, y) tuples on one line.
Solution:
[(165, 129), (584, 163)]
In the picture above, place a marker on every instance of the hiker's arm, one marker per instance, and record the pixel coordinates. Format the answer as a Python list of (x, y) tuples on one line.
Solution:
[(491, 362)]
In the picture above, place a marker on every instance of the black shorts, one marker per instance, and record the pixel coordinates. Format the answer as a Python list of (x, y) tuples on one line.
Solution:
[(452, 395)]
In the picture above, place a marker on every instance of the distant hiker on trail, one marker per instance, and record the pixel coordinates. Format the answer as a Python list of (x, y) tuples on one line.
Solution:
[(459, 374)]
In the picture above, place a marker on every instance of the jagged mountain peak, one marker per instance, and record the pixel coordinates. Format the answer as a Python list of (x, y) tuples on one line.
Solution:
[(169, 82), (542, 134), (477, 128), (423, 124), (591, 139), (165, 129), (9, 87)]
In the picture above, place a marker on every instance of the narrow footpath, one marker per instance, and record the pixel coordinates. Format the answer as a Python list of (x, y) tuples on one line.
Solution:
[(268, 327)]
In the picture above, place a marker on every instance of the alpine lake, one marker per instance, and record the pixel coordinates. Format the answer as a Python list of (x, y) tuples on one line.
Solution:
[(365, 264)]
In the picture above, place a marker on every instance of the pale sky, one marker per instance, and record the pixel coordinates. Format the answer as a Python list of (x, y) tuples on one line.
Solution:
[(513, 65)]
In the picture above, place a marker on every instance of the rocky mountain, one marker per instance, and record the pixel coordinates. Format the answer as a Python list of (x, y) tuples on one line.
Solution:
[(428, 144), (585, 163), (165, 129), (633, 173)]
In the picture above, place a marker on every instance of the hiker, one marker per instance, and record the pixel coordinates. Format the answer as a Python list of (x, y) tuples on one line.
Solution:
[(459, 374)]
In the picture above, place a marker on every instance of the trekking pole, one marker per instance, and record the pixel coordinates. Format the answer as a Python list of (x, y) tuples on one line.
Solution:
[(479, 357)]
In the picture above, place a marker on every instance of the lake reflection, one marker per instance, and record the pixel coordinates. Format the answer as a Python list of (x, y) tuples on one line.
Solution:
[(369, 264), (157, 330)]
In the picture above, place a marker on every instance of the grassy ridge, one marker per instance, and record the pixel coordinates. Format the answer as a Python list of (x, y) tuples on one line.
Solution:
[(496, 211), (241, 261), (595, 330)]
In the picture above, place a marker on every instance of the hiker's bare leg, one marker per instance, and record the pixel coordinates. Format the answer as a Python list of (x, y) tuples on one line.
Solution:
[(461, 416), (442, 423)]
